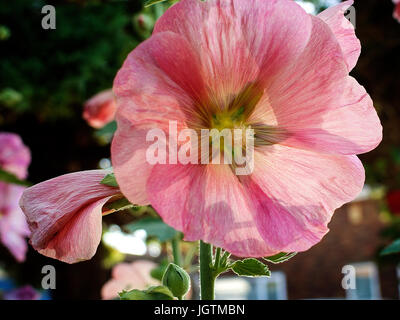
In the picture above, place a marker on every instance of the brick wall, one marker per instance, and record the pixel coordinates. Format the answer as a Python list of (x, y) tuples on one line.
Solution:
[(353, 237)]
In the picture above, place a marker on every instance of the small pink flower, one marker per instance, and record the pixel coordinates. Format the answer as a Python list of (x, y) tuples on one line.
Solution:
[(128, 276), (287, 73), (100, 109), (14, 158), (65, 214), (396, 13)]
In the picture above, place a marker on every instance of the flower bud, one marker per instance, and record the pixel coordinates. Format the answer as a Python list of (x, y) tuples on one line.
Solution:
[(143, 24), (176, 280)]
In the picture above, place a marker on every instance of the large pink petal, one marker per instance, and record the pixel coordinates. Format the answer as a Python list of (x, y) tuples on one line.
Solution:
[(295, 193), (316, 105), (344, 32), (311, 85), (353, 127), (208, 203), (159, 81), (61, 210), (130, 165), (239, 42), (285, 205)]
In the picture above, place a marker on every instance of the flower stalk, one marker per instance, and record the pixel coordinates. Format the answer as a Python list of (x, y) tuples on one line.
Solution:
[(176, 251), (207, 276)]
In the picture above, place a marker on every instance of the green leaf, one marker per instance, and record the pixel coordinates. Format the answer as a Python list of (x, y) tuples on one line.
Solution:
[(250, 268), (119, 205), (150, 3), (109, 180), (154, 227), (10, 178), (392, 248), (153, 293), (280, 257)]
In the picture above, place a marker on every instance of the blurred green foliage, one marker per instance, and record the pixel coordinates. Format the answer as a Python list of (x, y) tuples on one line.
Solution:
[(49, 73)]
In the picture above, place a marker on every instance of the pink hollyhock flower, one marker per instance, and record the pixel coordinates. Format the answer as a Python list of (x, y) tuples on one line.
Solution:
[(100, 109), (65, 214), (286, 74), (14, 158), (396, 13), (128, 276)]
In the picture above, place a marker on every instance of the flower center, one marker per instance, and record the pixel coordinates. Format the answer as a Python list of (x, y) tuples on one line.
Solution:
[(231, 119), (228, 131)]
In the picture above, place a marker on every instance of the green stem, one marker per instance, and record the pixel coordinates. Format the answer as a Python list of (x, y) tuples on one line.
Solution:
[(176, 251), (217, 258), (188, 258), (207, 277)]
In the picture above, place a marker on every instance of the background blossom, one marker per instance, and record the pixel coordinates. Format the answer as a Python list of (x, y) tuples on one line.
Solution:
[(15, 159), (128, 276), (100, 109)]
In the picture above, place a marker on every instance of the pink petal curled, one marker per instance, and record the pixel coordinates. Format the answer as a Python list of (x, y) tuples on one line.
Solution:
[(64, 214), (79, 238), (344, 31), (100, 109), (14, 155)]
